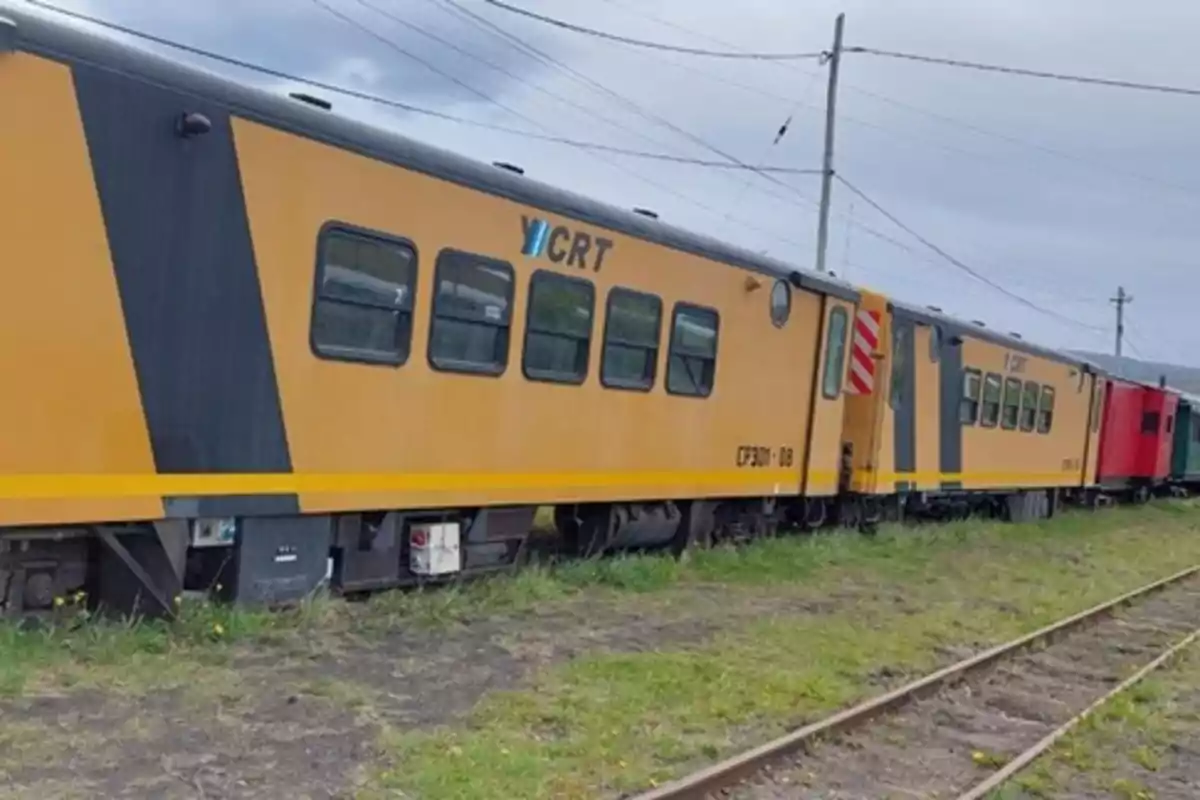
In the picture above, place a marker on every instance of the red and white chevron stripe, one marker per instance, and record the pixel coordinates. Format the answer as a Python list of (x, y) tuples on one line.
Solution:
[(862, 365)]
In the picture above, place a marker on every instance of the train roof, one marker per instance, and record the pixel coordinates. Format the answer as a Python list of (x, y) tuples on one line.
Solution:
[(35, 33), (951, 325)]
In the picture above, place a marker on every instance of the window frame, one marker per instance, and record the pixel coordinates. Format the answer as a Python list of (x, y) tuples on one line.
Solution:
[(1098, 394), (1037, 399), (1043, 411), (553, 376), (1148, 416), (620, 383), (839, 311), (983, 423), (967, 373), (464, 367), (682, 305), (1008, 382), (358, 355)]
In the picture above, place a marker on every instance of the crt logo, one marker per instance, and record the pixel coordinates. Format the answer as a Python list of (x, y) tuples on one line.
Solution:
[(560, 244)]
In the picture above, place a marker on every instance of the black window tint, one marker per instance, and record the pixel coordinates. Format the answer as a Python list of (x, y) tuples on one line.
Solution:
[(472, 309), (1012, 404), (1150, 422), (632, 325), (968, 408), (692, 358), (1046, 410), (558, 332), (1029, 406), (990, 414), (363, 306), (835, 354)]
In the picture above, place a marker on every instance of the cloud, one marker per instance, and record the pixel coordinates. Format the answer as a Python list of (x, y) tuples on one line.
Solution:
[(1061, 197)]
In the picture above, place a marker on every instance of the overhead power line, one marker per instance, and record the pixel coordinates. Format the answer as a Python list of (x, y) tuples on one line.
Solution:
[(979, 276), (560, 99), (645, 113), (1029, 73), (1083, 161), (429, 65), (346, 91), (695, 51)]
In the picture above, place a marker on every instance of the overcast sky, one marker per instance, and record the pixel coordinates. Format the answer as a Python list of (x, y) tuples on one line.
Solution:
[(1057, 191)]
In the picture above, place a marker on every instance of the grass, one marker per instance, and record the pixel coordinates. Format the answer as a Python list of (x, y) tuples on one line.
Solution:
[(616, 722), (797, 626), (1129, 745)]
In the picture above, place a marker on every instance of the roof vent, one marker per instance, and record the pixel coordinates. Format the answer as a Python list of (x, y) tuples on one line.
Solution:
[(508, 166), (311, 100), (934, 308), (8, 35), (1014, 334), (645, 212), (979, 322)]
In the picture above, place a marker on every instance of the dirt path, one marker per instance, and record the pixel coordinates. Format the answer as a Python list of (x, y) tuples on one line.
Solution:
[(296, 719), (942, 746), (588, 680)]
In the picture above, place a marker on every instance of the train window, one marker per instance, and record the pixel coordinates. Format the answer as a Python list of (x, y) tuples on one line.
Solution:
[(968, 407), (692, 357), (781, 303), (1012, 404), (1150, 421), (1046, 410), (558, 328), (1170, 423), (632, 325), (472, 313), (363, 305), (1097, 405), (1029, 406), (835, 354), (990, 412), (935, 343)]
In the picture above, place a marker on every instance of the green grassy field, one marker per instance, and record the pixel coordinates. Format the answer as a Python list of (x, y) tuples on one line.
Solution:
[(588, 679)]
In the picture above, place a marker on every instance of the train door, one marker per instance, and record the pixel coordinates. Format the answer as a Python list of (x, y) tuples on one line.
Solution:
[(926, 367), (903, 401), (950, 396)]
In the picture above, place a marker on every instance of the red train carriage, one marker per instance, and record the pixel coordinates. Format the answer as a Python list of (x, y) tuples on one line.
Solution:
[(1136, 437)]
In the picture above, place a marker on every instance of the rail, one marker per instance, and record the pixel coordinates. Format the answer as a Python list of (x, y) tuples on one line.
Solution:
[(734, 770)]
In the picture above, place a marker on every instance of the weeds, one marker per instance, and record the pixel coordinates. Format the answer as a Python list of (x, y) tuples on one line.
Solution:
[(797, 626)]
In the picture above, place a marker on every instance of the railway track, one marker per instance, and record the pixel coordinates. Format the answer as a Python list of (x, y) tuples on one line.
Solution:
[(963, 731)]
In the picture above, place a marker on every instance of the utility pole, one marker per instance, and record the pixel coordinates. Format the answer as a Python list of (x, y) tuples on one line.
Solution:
[(835, 60), (1121, 300)]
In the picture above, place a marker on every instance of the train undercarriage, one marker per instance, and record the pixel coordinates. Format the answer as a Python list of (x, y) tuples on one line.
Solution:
[(142, 569)]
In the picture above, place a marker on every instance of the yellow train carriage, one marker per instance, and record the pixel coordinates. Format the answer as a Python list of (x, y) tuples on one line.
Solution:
[(273, 329), (958, 409)]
